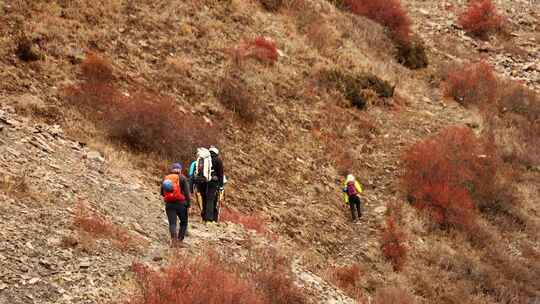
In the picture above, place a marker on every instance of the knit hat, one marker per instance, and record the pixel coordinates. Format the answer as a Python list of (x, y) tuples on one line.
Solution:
[(176, 168)]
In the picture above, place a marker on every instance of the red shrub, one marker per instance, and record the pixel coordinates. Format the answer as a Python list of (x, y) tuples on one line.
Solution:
[(151, 123), (444, 172), (262, 48), (253, 222), (392, 244), (388, 13), (145, 122), (347, 278), (96, 69), (481, 18), (472, 84), (202, 280), (97, 226)]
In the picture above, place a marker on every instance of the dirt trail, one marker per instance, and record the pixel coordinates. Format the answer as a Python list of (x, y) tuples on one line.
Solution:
[(36, 266)]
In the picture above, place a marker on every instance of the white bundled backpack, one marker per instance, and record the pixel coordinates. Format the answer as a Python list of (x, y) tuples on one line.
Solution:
[(203, 168)]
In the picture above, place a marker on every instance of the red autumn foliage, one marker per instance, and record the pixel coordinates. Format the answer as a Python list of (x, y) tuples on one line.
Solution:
[(445, 172), (481, 18), (143, 121), (348, 279), (186, 281), (472, 84), (389, 13), (392, 244), (253, 222), (153, 124), (96, 69), (97, 226), (261, 48), (263, 277)]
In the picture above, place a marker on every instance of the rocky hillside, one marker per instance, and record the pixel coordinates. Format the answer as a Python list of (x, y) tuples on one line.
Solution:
[(286, 164)]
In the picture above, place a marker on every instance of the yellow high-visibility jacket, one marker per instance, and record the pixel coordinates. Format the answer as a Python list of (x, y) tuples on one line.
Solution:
[(345, 195)]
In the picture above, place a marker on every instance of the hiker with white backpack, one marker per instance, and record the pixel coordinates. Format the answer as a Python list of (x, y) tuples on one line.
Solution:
[(209, 181)]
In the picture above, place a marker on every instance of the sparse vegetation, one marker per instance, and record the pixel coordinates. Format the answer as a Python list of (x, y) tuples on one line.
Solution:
[(253, 222), (514, 121), (481, 18), (15, 185), (393, 295), (236, 96), (97, 226), (143, 121)]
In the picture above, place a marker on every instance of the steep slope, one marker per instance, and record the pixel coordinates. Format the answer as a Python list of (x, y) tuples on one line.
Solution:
[(287, 164), (46, 258)]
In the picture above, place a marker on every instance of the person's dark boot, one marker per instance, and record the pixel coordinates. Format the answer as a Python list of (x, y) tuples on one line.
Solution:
[(174, 240)]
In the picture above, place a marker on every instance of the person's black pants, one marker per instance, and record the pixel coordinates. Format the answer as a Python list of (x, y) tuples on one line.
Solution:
[(201, 188), (210, 208), (355, 204), (173, 211)]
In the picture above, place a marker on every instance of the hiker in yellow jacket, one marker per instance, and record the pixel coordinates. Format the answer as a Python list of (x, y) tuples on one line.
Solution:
[(351, 189)]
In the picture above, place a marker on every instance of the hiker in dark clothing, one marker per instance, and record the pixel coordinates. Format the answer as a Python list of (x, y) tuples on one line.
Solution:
[(214, 187), (176, 194), (351, 190)]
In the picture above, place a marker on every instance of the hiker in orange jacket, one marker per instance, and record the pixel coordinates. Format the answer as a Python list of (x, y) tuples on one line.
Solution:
[(176, 194), (351, 190)]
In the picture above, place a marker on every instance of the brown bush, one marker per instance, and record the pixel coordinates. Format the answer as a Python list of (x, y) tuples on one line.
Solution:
[(152, 124), (272, 5), (236, 96), (27, 50), (143, 121), (270, 272), (393, 295), (472, 84), (97, 226), (481, 18), (353, 85), (412, 55), (516, 125)]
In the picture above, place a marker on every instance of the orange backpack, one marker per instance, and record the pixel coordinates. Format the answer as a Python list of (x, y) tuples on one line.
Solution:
[(176, 195)]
